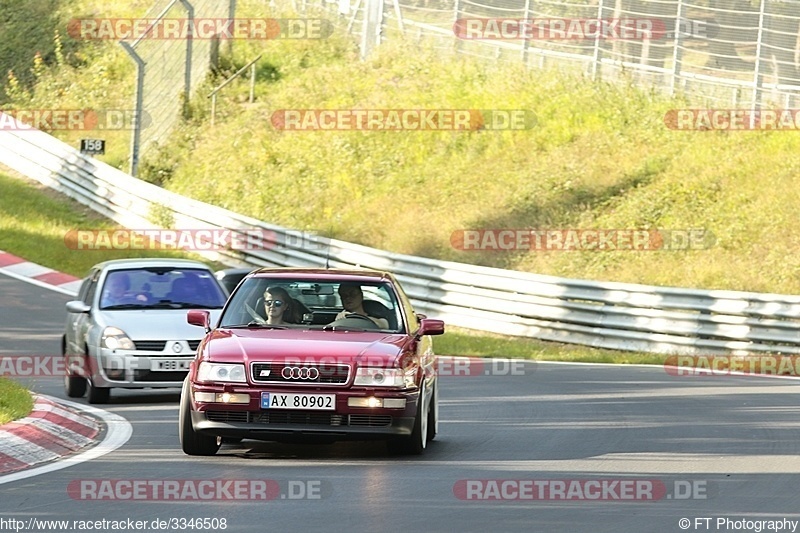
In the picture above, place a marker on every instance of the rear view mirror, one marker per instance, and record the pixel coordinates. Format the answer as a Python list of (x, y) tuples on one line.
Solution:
[(316, 288)]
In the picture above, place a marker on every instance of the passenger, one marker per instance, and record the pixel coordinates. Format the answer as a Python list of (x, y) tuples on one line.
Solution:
[(279, 306)]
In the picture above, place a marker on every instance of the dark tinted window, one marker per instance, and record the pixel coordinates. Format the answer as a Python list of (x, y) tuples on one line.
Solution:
[(310, 303), (178, 288)]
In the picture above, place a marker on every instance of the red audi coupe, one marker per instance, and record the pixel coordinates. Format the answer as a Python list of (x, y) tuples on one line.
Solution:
[(313, 355)]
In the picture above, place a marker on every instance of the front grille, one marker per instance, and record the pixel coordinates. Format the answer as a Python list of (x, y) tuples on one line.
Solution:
[(158, 346), (299, 418), (227, 416), (304, 418), (272, 373), (372, 421), (147, 376), (150, 346)]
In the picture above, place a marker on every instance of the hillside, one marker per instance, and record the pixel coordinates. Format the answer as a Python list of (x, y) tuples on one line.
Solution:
[(600, 156)]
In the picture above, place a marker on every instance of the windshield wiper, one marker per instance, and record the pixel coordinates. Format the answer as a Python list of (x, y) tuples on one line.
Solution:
[(124, 306), (254, 325), (169, 304), (341, 328)]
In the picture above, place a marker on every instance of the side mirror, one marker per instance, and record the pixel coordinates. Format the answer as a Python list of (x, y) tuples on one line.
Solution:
[(77, 306), (431, 326), (199, 317)]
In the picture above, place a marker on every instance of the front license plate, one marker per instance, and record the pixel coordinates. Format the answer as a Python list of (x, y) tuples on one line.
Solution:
[(312, 402), (169, 365)]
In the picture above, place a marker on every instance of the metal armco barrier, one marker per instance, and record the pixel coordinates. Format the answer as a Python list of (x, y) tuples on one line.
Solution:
[(600, 314)]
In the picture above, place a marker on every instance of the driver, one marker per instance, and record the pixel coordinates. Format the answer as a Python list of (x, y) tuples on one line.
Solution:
[(117, 291), (353, 303)]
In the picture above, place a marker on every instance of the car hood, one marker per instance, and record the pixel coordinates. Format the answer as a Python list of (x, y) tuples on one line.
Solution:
[(241, 345), (154, 324)]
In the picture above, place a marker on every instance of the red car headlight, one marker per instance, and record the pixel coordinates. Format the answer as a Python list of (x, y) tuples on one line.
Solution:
[(384, 377), (225, 373)]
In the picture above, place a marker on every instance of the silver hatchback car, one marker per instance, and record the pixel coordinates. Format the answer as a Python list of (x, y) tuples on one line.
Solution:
[(128, 328)]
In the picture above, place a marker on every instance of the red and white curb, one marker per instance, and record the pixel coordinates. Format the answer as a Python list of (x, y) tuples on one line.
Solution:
[(58, 433), (49, 432), (19, 268)]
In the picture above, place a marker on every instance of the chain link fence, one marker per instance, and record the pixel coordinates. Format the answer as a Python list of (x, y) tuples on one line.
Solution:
[(721, 53), (170, 69)]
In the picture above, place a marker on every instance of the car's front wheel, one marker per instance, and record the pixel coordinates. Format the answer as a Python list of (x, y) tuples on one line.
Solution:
[(98, 394), (415, 443), (74, 386), (433, 413), (192, 442)]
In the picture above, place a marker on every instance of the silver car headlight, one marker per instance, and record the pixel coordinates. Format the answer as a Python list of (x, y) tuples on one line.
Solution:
[(116, 339), (227, 373), (383, 377)]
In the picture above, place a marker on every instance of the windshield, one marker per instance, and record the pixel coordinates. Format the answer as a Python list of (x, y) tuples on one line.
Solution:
[(161, 288), (332, 305)]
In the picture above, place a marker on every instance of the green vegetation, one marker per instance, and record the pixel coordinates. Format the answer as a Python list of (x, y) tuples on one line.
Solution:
[(15, 401), (599, 157), (36, 222)]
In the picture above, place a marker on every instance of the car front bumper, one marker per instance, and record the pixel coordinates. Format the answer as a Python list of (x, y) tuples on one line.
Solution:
[(250, 421), (140, 369)]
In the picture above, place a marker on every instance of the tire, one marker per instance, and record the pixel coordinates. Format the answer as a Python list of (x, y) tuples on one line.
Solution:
[(415, 443), (433, 414), (193, 443), (74, 386), (98, 394)]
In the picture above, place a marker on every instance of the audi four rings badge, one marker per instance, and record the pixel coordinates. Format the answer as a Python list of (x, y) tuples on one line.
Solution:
[(300, 372)]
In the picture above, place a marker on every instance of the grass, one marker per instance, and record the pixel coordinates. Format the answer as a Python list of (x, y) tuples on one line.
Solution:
[(468, 343), (599, 157), (36, 220), (15, 401)]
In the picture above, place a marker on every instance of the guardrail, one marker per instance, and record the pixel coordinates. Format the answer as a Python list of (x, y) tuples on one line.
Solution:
[(600, 314)]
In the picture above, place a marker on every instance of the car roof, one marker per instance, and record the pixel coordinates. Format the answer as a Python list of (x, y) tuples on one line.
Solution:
[(331, 274), (120, 264)]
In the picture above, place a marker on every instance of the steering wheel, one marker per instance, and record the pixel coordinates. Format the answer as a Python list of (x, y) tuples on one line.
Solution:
[(360, 317)]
